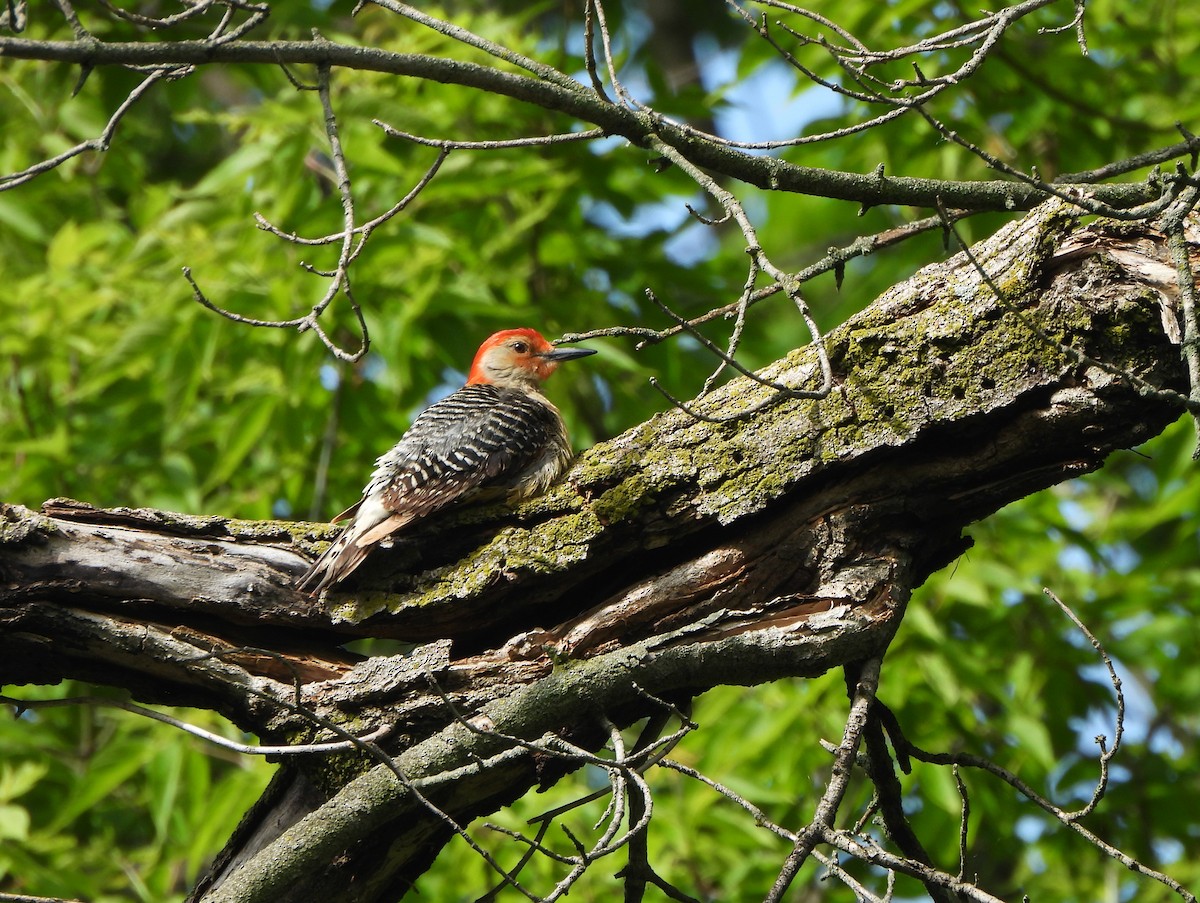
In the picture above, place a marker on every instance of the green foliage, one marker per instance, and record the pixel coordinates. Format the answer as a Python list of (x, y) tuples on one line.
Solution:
[(104, 807), (120, 390)]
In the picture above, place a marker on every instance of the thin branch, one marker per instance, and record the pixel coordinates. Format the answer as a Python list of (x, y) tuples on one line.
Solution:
[(342, 275), (727, 358), (1076, 24), (760, 817), (198, 8), (963, 822), (470, 39), (340, 282), (533, 844), (609, 60), (996, 25), (1190, 145), (1106, 754), (758, 261), (100, 143), (649, 750), (1070, 819), (854, 43), (81, 33), (626, 785), (577, 101), (968, 33), (1174, 223), (834, 261), (866, 850), (450, 144), (861, 894), (739, 324), (839, 781), (249, 749), (1070, 194), (589, 52), (364, 231), (525, 859), (203, 301)]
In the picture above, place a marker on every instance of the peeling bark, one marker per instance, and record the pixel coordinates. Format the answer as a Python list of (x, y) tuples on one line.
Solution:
[(677, 557)]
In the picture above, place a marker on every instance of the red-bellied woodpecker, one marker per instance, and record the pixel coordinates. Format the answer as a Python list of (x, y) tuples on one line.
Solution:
[(498, 433)]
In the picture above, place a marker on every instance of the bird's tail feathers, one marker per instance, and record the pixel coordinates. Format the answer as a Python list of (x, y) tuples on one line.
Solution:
[(335, 563)]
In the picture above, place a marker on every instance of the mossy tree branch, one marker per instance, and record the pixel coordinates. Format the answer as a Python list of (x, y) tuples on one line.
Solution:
[(677, 557)]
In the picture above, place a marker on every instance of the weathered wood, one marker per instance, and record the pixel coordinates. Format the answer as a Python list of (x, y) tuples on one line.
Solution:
[(677, 557)]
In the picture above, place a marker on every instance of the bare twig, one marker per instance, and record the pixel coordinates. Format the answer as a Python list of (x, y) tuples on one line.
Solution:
[(100, 143), (1071, 195), (760, 817), (1189, 307), (727, 359), (364, 231), (249, 749), (451, 144), (1190, 145), (339, 278), (1106, 754), (610, 63), (589, 52), (759, 261), (834, 261), (1076, 24), (1069, 818), (963, 822), (526, 857), (469, 38), (192, 11), (839, 780), (867, 850)]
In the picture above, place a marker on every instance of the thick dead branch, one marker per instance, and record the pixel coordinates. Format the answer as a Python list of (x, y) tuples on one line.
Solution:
[(679, 556)]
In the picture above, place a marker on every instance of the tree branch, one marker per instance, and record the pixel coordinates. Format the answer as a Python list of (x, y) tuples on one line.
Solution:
[(674, 558), (868, 189)]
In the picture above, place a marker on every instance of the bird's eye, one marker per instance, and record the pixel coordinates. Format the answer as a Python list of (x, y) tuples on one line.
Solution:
[(520, 347)]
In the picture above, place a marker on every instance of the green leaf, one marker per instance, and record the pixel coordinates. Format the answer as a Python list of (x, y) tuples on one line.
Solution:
[(1033, 738), (14, 822), (113, 765), (252, 423), (17, 780)]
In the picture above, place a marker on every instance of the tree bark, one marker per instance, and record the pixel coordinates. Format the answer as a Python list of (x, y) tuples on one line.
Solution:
[(677, 557)]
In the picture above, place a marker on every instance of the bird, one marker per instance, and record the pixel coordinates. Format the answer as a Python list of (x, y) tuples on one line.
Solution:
[(497, 435)]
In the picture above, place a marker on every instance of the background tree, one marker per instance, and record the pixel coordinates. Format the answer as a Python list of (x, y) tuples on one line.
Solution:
[(121, 396)]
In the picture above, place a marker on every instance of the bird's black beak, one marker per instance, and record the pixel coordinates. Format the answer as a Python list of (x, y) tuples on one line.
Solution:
[(566, 354)]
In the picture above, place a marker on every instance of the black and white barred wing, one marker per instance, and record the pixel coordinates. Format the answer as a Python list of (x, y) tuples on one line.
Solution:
[(476, 438)]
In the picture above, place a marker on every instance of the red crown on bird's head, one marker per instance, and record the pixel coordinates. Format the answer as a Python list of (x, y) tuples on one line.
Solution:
[(519, 349)]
